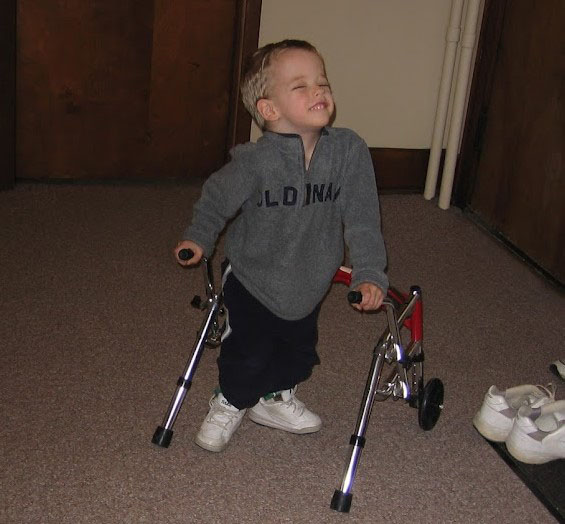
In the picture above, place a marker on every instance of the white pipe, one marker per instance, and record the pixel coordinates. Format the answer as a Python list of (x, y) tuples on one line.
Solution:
[(452, 38), (459, 101)]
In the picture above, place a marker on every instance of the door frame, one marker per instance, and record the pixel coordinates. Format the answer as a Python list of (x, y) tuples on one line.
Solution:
[(479, 101), (7, 94), (248, 21)]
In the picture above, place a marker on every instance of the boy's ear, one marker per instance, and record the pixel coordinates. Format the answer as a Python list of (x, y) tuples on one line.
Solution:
[(267, 110)]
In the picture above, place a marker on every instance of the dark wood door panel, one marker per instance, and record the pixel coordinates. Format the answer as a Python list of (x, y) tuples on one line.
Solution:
[(83, 75), (136, 88), (191, 82), (520, 180)]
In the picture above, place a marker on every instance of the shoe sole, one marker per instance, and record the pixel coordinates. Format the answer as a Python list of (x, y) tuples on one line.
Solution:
[(210, 447), (258, 419), (528, 456), (493, 433)]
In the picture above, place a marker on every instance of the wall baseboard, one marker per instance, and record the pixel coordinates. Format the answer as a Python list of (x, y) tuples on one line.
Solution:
[(400, 170)]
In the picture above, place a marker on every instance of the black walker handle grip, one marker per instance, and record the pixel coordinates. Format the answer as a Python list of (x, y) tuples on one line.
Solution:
[(186, 254), (354, 297)]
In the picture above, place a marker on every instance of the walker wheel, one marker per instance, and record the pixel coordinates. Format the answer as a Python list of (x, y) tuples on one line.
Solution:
[(431, 404)]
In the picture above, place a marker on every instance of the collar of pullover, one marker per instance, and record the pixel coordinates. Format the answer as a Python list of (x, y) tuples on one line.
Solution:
[(288, 142)]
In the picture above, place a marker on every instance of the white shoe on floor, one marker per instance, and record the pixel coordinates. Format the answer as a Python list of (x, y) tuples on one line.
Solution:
[(558, 368), (538, 434), (495, 418), (282, 410), (219, 425)]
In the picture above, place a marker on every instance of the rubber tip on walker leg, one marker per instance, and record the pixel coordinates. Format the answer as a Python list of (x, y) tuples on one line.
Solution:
[(162, 437), (341, 501)]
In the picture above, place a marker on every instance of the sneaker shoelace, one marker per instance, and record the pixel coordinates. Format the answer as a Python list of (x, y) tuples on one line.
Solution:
[(535, 400), (221, 417), (294, 404)]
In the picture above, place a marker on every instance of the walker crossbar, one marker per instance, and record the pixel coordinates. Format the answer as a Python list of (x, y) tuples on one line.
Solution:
[(404, 382)]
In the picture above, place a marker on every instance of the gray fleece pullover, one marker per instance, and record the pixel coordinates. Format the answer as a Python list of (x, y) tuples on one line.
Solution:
[(286, 241)]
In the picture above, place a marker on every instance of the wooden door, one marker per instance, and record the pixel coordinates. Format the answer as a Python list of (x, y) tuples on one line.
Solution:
[(128, 89), (515, 141)]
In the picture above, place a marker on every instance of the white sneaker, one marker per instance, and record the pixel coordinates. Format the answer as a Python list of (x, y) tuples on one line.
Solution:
[(558, 368), (282, 410), (219, 425), (495, 418), (538, 434)]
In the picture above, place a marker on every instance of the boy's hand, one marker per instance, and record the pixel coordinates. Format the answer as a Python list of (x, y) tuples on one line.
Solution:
[(195, 248), (372, 297)]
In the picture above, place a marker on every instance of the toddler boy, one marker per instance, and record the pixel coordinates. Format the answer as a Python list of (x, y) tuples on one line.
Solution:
[(296, 195)]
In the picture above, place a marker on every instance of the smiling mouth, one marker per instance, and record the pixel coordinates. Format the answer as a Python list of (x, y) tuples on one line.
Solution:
[(318, 106)]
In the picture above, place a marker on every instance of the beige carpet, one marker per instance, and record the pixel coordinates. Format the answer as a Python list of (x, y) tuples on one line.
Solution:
[(95, 327)]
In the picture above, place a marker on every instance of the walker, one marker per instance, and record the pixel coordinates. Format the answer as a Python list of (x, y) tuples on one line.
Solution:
[(405, 381)]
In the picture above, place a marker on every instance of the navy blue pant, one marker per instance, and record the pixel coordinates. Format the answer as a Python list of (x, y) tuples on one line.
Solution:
[(262, 353)]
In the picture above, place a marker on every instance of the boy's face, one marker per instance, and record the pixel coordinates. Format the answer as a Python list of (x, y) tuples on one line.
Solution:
[(300, 99)]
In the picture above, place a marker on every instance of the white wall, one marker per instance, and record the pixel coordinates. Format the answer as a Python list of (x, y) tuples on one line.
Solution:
[(384, 60)]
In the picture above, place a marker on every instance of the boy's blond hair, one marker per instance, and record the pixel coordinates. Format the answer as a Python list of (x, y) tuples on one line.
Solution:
[(256, 77)]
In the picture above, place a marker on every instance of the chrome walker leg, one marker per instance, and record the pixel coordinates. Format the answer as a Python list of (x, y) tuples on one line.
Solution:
[(389, 349), (164, 433), (341, 500)]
